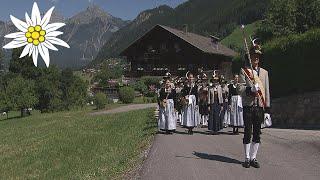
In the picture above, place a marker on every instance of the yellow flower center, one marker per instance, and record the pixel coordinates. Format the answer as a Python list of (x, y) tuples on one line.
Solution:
[(35, 35)]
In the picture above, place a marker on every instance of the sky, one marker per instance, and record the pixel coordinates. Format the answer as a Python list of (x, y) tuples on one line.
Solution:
[(125, 9)]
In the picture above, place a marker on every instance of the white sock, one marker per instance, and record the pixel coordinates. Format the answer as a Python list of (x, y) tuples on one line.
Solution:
[(247, 150), (254, 150)]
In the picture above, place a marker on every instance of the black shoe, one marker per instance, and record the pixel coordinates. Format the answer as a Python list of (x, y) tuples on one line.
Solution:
[(246, 163), (254, 163)]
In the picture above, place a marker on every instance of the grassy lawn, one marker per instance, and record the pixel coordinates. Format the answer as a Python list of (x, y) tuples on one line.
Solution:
[(73, 145), (144, 100)]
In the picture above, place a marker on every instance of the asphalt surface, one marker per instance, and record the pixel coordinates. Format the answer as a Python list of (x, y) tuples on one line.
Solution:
[(283, 154)]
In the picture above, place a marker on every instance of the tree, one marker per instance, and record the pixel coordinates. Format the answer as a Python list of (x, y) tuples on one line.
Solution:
[(48, 90), (286, 17), (22, 93), (126, 95), (74, 90), (100, 100), (23, 66), (307, 15), (1, 61), (106, 73), (5, 102), (281, 19)]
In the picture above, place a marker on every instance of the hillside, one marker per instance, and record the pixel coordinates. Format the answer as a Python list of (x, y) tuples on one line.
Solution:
[(216, 17), (235, 39)]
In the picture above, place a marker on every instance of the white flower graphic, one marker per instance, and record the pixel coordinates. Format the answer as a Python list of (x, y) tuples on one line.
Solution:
[(37, 35)]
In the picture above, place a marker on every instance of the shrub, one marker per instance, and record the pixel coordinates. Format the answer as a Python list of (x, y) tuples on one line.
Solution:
[(293, 63), (126, 95), (100, 100)]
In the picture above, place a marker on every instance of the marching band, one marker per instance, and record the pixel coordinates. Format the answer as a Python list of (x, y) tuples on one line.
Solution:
[(199, 102), (213, 103)]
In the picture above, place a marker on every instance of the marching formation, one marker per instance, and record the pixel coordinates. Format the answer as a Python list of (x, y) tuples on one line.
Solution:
[(197, 101), (208, 100)]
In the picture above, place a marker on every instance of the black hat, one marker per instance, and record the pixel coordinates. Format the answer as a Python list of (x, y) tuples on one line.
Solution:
[(167, 76)]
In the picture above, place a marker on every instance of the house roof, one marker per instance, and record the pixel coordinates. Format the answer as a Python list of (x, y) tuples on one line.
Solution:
[(205, 44)]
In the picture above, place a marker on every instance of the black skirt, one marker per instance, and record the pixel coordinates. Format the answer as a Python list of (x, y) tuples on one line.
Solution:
[(215, 122)]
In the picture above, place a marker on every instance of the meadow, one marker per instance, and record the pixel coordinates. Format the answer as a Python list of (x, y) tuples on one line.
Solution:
[(74, 144)]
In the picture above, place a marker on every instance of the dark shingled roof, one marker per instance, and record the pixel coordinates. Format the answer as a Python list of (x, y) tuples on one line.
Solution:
[(203, 43)]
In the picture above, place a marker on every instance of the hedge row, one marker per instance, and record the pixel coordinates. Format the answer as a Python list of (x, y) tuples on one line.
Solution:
[(293, 63)]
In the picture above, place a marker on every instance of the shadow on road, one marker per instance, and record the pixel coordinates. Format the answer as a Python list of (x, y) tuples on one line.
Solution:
[(216, 158), (213, 158)]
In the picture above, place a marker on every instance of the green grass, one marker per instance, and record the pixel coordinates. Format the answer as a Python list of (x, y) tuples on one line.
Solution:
[(235, 39), (73, 145), (144, 100)]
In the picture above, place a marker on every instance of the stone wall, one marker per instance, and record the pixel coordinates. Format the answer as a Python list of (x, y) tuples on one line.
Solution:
[(297, 111)]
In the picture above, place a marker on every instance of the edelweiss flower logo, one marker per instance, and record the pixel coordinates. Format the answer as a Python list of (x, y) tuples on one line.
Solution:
[(37, 35)]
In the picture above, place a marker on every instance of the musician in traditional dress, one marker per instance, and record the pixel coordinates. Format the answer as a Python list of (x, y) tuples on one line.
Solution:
[(215, 102), (225, 95), (256, 102), (235, 105), (167, 116), (179, 103), (190, 101), (203, 101)]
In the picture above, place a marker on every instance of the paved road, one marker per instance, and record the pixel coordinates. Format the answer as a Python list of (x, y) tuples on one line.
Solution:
[(284, 154), (127, 108)]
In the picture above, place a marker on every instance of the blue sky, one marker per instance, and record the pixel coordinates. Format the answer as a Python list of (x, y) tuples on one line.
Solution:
[(125, 9)]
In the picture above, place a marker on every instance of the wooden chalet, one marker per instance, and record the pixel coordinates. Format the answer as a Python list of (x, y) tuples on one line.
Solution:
[(164, 49)]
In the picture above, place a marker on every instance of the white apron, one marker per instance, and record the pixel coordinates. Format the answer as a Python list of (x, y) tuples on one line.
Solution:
[(236, 113), (167, 117), (190, 117)]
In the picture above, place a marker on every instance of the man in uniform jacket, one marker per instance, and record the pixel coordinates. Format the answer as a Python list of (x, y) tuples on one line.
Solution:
[(253, 106)]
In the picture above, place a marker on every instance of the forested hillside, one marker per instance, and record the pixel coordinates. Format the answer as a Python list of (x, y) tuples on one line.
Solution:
[(206, 17)]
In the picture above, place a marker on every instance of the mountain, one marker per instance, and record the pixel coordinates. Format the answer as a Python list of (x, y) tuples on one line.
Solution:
[(205, 17), (85, 32)]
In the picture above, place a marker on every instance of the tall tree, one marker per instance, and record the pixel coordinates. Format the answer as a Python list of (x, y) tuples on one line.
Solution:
[(286, 17), (23, 66), (307, 15), (21, 93), (48, 90), (74, 90)]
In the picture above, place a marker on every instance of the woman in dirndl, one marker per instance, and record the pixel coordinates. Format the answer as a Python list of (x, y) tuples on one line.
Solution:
[(235, 105), (167, 116), (215, 101), (190, 117)]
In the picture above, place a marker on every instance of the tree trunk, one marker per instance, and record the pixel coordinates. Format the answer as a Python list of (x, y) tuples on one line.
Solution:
[(21, 110)]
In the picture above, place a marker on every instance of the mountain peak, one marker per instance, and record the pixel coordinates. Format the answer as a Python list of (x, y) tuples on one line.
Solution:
[(92, 12)]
